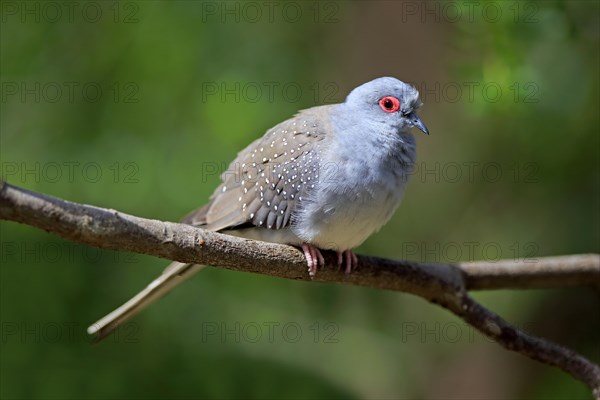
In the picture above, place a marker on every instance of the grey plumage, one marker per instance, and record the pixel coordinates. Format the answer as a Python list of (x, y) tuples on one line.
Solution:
[(325, 179), (315, 175)]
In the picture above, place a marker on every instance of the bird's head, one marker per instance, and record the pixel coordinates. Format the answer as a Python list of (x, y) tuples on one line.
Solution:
[(389, 102)]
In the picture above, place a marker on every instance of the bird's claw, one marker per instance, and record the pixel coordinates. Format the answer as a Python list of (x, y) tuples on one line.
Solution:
[(314, 258), (350, 259)]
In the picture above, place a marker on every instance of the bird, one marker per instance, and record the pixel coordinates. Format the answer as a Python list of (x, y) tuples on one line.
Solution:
[(325, 179)]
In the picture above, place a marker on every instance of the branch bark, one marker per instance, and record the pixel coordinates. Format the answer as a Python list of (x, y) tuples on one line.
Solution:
[(443, 284)]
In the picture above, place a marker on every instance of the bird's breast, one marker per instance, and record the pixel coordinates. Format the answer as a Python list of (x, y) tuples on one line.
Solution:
[(354, 197)]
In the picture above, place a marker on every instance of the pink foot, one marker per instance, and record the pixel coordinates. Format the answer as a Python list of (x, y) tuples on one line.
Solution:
[(314, 258), (349, 257)]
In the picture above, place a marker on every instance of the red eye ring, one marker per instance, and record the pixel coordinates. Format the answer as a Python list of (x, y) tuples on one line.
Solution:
[(389, 104)]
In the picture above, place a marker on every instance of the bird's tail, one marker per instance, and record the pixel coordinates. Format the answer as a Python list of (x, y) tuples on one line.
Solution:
[(172, 276)]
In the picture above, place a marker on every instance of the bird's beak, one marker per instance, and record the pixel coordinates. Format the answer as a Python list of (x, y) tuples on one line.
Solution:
[(416, 121)]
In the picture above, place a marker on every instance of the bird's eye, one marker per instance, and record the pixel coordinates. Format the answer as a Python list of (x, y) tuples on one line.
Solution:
[(389, 104)]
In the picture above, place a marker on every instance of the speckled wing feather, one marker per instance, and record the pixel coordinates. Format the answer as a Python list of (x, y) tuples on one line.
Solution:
[(264, 184)]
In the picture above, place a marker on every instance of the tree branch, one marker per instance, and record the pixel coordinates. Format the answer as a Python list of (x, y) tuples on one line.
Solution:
[(443, 284), (538, 273)]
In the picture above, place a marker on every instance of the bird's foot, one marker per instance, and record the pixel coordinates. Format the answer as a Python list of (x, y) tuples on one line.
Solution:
[(349, 258), (314, 258)]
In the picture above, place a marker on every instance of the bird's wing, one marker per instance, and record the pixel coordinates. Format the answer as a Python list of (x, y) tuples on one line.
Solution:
[(264, 184)]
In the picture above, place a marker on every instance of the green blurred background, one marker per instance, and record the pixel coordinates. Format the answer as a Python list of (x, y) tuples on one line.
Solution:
[(136, 106)]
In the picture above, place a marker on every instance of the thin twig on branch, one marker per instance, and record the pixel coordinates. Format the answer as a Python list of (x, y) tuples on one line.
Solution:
[(443, 284)]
